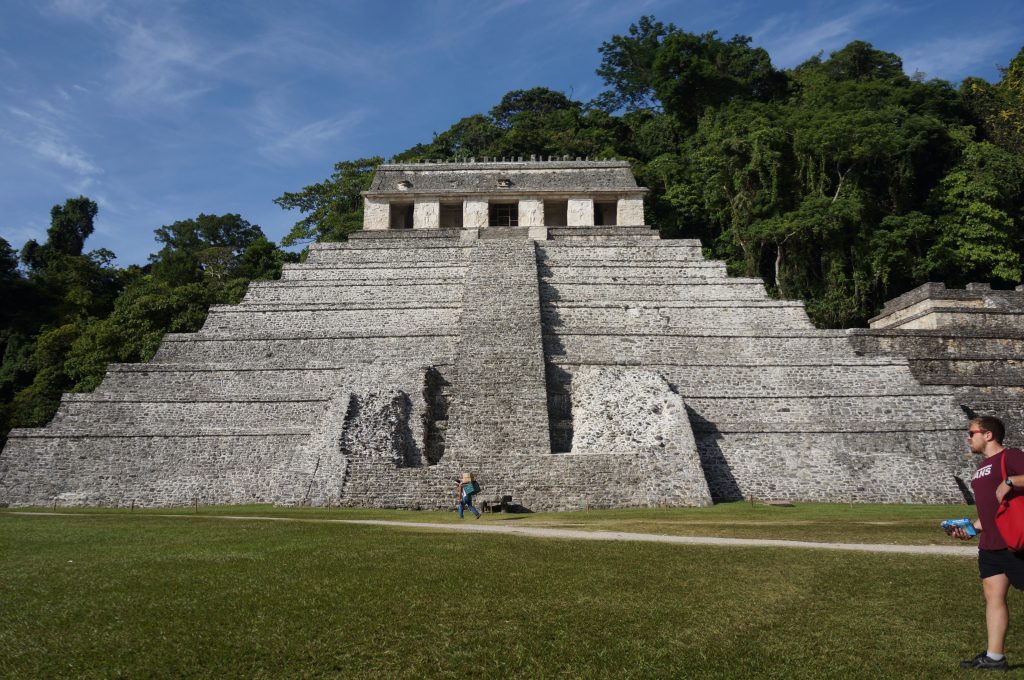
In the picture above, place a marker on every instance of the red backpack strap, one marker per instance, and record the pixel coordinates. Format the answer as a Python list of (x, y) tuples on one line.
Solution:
[(1003, 461)]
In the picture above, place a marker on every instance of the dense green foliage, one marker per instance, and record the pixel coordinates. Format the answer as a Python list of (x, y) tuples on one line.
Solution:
[(67, 314), (842, 182), (128, 595)]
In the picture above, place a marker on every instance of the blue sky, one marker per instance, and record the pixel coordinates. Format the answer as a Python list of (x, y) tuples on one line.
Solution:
[(161, 110)]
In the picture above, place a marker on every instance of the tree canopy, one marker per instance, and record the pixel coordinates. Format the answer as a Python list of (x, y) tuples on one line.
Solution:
[(842, 182)]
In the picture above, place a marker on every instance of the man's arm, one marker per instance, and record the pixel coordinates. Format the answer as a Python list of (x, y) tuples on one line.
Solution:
[(1016, 482), (963, 535)]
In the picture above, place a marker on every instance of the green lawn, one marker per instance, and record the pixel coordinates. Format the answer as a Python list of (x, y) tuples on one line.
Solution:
[(856, 523), (139, 595)]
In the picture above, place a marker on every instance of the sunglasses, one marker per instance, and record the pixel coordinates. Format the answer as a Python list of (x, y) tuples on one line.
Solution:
[(971, 433)]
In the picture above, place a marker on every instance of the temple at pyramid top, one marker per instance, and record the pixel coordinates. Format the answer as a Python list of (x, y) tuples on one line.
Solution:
[(503, 194)]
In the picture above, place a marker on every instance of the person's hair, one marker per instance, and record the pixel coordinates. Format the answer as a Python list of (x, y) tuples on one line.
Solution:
[(991, 424)]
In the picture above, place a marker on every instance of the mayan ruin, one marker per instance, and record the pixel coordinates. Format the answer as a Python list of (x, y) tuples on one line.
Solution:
[(518, 319)]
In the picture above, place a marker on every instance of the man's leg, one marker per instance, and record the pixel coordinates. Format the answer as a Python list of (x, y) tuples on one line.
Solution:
[(997, 614)]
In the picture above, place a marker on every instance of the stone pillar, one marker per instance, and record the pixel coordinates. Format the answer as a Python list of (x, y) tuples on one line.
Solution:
[(531, 212), (426, 215), (376, 214), (474, 213), (580, 212), (630, 212)]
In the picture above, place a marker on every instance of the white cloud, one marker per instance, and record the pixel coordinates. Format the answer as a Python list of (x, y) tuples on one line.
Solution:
[(63, 154), (953, 58), (289, 143), (156, 59), (81, 9), (41, 132), (799, 42), (159, 63)]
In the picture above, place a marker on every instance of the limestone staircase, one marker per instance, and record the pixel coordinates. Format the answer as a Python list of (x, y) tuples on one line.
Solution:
[(780, 410), (211, 415)]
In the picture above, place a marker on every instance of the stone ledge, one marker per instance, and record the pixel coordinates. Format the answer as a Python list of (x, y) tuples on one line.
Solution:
[(821, 334), (54, 432), (352, 284), (918, 391), (422, 235), (274, 308), (768, 362), (939, 333), (357, 267), (250, 366), (703, 428), (938, 291), (235, 337), (194, 398), (558, 164), (406, 234), (398, 245), (544, 261), (663, 243), (956, 325), (673, 304)]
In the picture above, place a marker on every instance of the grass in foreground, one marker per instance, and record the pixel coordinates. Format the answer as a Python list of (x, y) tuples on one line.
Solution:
[(136, 595), (849, 523)]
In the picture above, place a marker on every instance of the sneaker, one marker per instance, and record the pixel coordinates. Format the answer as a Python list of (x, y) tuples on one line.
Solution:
[(983, 662)]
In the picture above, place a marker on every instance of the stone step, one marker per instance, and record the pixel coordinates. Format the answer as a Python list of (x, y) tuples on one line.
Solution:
[(646, 318), (1009, 392), (106, 416), (336, 306), (405, 235), (318, 323), (409, 350), (498, 383), (546, 266), (825, 380), (313, 292), (981, 372), (612, 252), (669, 349), (698, 289), (772, 411), (853, 465), (403, 239), (925, 344), (631, 275), (211, 381), (144, 470), (601, 233), (383, 257), (520, 233), (377, 275)]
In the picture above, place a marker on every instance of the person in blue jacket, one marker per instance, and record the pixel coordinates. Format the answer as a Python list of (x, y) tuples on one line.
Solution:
[(467, 489)]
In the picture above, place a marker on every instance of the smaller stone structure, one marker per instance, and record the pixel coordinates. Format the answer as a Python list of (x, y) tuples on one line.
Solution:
[(933, 306), (969, 340), (503, 194)]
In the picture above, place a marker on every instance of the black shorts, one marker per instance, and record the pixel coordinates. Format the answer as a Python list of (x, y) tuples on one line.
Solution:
[(993, 562)]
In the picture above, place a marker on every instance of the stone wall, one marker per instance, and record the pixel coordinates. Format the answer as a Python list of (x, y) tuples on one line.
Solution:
[(779, 410), (602, 367)]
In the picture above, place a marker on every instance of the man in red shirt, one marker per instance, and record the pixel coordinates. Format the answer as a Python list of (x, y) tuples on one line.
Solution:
[(998, 566)]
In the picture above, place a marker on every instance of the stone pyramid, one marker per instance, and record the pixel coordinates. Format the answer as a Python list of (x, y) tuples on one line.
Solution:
[(512, 319)]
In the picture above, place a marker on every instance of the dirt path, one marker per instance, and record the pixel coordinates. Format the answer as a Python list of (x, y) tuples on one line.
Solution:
[(539, 532)]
